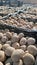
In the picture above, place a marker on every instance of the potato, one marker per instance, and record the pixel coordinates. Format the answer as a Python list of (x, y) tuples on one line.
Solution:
[(31, 41), (23, 41), (23, 47), (16, 55), (16, 45), (28, 59), (5, 46), (9, 51), (21, 35), (32, 49), (14, 39), (4, 39), (9, 35)]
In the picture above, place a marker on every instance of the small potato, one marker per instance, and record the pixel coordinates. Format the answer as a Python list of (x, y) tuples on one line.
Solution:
[(4, 39), (23, 41), (5, 46), (28, 59), (9, 50), (9, 35), (18, 63), (2, 55), (16, 45), (1, 63), (16, 55), (31, 41), (32, 49), (23, 47), (14, 39), (21, 35)]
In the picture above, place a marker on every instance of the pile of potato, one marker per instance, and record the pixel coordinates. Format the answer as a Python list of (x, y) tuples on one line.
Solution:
[(18, 22), (16, 49)]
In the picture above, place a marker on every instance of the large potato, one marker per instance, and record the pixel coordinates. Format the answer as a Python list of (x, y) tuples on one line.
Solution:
[(32, 49), (31, 41), (28, 59), (16, 55)]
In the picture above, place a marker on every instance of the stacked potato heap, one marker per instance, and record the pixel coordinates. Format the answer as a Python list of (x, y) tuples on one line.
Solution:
[(19, 22), (15, 49)]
